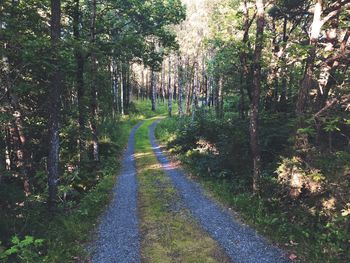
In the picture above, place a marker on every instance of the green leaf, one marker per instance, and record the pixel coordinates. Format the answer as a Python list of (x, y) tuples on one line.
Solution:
[(274, 220), (15, 240), (11, 251), (28, 240)]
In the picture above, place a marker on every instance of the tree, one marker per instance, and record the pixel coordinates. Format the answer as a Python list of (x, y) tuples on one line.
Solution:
[(54, 106), (80, 63), (170, 90), (180, 84), (333, 10), (153, 90), (254, 106), (93, 96)]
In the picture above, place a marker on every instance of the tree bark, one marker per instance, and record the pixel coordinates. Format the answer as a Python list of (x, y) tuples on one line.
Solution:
[(153, 91), (54, 105), (283, 98), (115, 85), (122, 88), (180, 84), (79, 72), (143, 84), (188, 86), (219, 98), (195, 90), (170, 92), (163, 83), (303, 94), (8, 150), (128, 86), (93, 99), (254, 106), (328, 70)]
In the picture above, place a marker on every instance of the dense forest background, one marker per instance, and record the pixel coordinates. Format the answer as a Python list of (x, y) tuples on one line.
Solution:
[(261, 91)]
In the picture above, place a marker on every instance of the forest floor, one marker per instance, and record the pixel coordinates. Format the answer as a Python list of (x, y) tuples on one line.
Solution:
[(173, 220)]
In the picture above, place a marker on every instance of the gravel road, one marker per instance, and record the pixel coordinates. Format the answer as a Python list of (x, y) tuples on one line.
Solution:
[(118, 234), (242, 244)]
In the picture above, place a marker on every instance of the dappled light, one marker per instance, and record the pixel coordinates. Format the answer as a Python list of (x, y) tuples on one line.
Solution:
[(250, 99)]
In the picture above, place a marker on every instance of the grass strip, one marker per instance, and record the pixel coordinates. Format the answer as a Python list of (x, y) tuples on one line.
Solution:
[(169, 233)]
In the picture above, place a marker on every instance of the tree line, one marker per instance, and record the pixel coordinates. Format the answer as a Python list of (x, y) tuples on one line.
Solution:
[(276, 144), (66, 65), (267, 57)]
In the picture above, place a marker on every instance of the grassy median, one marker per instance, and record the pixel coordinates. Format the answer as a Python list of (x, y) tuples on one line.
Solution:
[(169, 233)]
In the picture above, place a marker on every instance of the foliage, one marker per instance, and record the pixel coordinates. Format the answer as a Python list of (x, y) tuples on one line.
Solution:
[(24, 250), (62, 236), (301, 205)]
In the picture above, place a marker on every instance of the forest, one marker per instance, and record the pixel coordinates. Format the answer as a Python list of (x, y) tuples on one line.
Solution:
[(252, 99)]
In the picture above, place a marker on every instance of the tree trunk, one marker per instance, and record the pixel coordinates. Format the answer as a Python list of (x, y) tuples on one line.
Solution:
[(19, 150), (122, 83), (276, 69), (254, 107), (180, 83), (128, 86), (195, 91), (79, 73), (142, 84), (306, 84), (170, 92), (283, 97), (54, 105), (221, 97), (188, 86), (93, 99), (148, 86), (328, 70), (301, 139), (8, 150), (241, 100), (153, 91), (115, 85), (162, 87), (175, 81)]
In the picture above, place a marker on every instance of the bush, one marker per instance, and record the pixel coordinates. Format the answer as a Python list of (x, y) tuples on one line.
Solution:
[(302, 203)]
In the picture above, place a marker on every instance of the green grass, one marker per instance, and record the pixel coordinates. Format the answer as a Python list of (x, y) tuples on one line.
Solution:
[(168, 235), (142, 109), (306, 238)]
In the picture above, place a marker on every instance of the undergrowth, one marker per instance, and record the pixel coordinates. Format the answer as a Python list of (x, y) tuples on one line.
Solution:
[(314, 226), (31, 234)]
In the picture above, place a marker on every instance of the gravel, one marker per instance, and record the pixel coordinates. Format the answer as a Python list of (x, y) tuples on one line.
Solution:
[(241, 243), (118, 234)]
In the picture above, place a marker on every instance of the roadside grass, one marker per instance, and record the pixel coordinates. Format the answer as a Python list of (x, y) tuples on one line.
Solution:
[(169, 234), (266, 215)]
